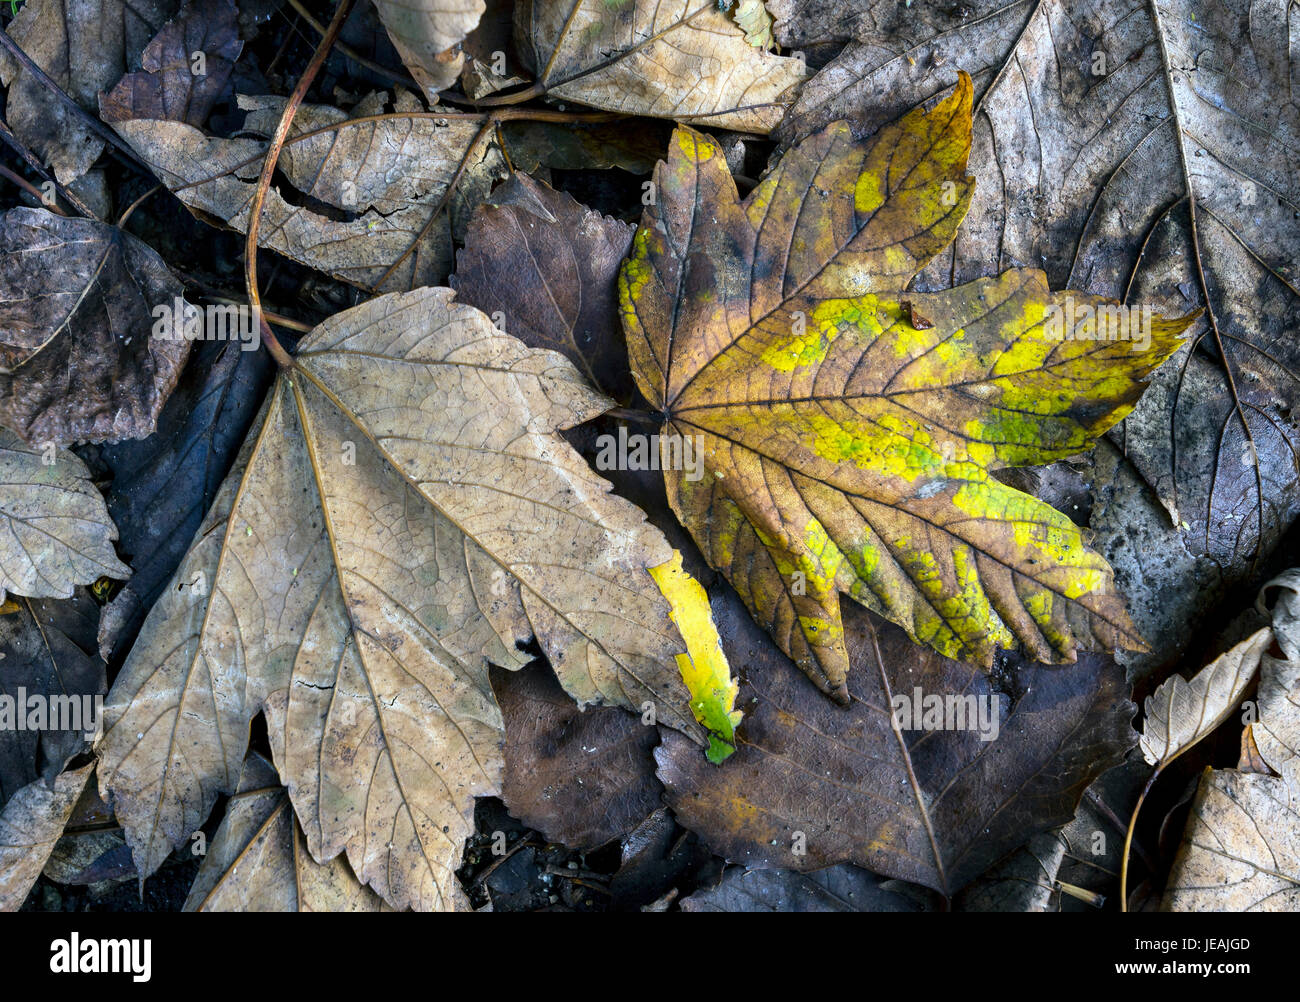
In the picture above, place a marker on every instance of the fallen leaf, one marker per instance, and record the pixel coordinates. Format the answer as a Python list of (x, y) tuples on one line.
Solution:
[(755, 22), (1146, 152), (54, 527), (580, 777), (546, 268), (258, 860), (173, 84), (163, 485), (834, 889), (48, 666), (845, 450), (684, 60), (1181, 711), (814, 785), (79, 361), (388, 177), (30, 824), (1241, 847), (85, 48), (426, 34), (404, 513)]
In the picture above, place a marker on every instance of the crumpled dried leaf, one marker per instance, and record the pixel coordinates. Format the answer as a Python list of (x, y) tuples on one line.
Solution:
[(168, 86), (85, 48), (47, 658), (79, 361), (258, 859), (684, 60), (404, 514), (1182, 711), (54, 527), (934, 807), (1241, 847), (549, 266), (1144, 151), (426, 34), (849, 429), (580, 777), (387, 176), (30, 824)]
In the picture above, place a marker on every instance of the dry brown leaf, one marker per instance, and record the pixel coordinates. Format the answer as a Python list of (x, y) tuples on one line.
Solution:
[(549, 267), (54, 526), (387, 177), (1241, 847), (85, 48), (1182, 711), (258, 859), (170, 85), (426, 34), (580, 777), (405, 514), (79, 361), (683, 59), (30, 824), (47, 660)]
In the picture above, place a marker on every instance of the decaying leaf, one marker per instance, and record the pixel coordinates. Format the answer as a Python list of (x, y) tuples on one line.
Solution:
[(634, 147), (163, 485), (1145, 151), (932, 799), (404, 514), (1182, 711), (426, 34), (258, 860), (54, 527), (1241, 847), (173, 85), (85, 48), (580, 777), (684, 60), (848, 449), (549, 266), (835, 889), (79, 359), (50, 678), (388, 177), (30, 824)]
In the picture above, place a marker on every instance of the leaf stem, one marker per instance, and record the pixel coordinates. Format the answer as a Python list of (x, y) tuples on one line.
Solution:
[(1128, 839), (282, 357)]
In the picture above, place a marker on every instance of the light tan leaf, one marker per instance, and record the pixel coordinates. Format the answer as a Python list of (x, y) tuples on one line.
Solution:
[(258, 860), (55, 531), (683, 59), (387, 176), (426, 34), (30, 824), (1181, 711), (405, 514), (1277, 732)]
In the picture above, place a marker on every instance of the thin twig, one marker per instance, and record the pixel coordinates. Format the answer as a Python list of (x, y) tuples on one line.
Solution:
[(30, 188), (353, 54), (281, 356)]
